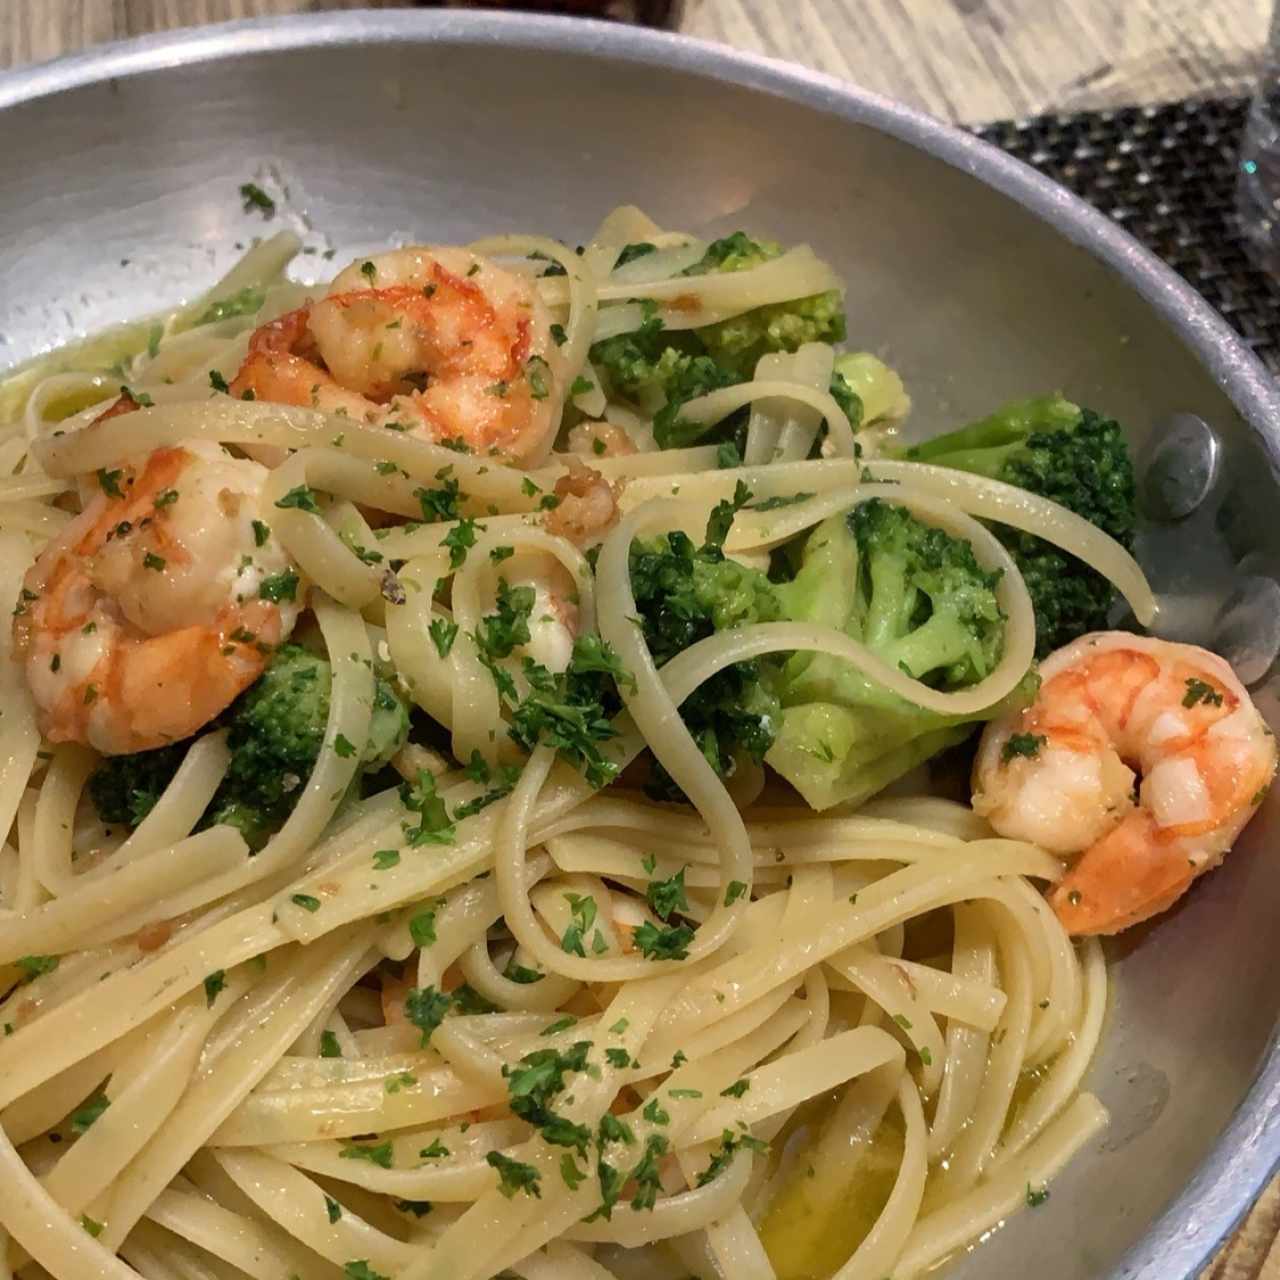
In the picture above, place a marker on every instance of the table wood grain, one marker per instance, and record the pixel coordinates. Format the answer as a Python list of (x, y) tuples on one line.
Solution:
[(963, 60)]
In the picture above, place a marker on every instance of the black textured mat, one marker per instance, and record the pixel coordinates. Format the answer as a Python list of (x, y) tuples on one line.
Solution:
[(1166, 174)]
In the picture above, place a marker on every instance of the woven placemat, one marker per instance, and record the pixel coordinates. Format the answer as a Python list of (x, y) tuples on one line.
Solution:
[(1166, 174)]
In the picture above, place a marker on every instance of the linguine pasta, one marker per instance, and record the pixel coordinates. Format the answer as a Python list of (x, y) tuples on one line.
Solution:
[(356, 1053)]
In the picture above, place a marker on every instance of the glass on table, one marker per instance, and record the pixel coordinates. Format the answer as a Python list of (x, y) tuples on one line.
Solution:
[(649, 13), (1258, 184)]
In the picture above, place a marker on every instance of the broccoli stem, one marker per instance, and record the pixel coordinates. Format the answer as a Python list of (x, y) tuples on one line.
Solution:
[(985, 446)]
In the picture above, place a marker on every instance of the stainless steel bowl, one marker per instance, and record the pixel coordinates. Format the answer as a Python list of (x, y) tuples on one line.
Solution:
[(976, 276)]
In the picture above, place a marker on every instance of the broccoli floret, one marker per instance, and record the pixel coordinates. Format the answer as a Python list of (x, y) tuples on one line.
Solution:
[(645, 365), (124, 789), (916, 596), (685, 593), (693, 376), (929, 608), (275, 729), (659, 369), (1074, 457), (877, 388), (736, 252), (737, 343)]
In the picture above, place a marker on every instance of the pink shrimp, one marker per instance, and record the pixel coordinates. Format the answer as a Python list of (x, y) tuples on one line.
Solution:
[(436, 340), (1061, 773), (158, 604)]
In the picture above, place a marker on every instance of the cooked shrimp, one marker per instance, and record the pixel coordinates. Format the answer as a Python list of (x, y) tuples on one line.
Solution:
[(435, 340), (157, 605), (1061, 773), (600, 440), (553, 616), (587, 507)]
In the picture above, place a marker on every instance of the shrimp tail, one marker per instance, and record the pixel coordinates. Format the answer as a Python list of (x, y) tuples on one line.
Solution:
[(1134, 872)]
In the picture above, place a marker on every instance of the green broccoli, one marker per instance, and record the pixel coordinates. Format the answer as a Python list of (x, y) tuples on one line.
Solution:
[(1073, 456), (124, 789), (737, 343), (685, 593), (877, 389), (275, 730), (917, 598), (659, 370), (735, 252)]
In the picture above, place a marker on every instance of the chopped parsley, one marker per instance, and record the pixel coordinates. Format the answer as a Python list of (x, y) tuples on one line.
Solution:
[(735, 891), (730, 1144), (280, 586), (667, 896), (772, 504), (329, 1046), (1022, 744), (535, 1081), (443, 634), (84, 1116), (514, 1177), (522, 975), (654, 1113), (646, 1174), (419, 1208), (301, 498), (244, 302), (425, 1007), (385, 859), (261, 533), (504, 781), (1201, 691), (109, 482), (422, 928), (218, 382), (614, 1130), (306, 902), (582, 914), (213, 986), (438, 504), (1035, 1198), (460, 539), (255, 198), (538, 372), (569, 1171), (671, 943), (421, 797)]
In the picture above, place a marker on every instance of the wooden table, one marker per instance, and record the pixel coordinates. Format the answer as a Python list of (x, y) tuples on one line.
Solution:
[(964, 60)]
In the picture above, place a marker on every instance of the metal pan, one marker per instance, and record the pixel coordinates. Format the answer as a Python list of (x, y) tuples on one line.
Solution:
[(977, 277)]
